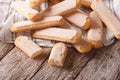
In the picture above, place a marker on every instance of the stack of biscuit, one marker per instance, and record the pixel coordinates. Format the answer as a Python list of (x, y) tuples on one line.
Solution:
[(54, 22)]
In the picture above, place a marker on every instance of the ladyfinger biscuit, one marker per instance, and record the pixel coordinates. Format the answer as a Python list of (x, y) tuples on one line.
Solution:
[(35, 4), (78, 19), (57, 34), (86, 3), (53, 2), (58, 54), (107, 17), (83, 46), (44, 23), (95, 33), (61, 8), (25, 10), (28, 46)]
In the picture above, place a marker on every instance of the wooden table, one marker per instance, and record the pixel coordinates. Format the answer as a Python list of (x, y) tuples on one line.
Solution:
[(99, 64)]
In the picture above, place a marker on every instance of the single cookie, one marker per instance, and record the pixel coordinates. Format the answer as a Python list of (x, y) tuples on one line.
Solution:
[(79, 19), (28, 46), (107, 16), (95, 33), (57, 34), (58, 54), (25, 10), (83, 46), (44, 23), (62, 8)]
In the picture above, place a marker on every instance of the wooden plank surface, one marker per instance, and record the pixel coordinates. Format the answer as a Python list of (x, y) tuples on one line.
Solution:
[(4, 49), (74, 64), (86, 67), (17, 66), (104, 66), (101, 64)]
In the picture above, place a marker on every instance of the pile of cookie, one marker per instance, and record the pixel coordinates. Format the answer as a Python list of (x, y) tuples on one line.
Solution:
[(53, 24)]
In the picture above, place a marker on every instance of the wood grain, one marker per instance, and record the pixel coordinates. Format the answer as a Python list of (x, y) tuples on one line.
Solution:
[(74, 63), (4, 49), (17, 66), (83, 67), (96, 65), (104, 66)]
